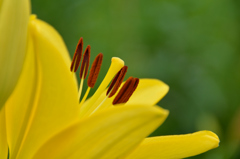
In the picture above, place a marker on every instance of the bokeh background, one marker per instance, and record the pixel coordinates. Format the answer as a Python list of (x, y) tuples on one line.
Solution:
[(192, 45)]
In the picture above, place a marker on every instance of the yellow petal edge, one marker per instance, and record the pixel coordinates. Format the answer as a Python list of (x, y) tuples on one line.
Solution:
[(175, 146)]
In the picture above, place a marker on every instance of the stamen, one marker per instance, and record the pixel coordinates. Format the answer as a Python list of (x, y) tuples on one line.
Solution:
[(95, 69), (116, 65), (98, 106), (127, 97), (113, 82), (85, 63), (85, 96), (77, 56), (122, 91), (84, 69), (116, 82), (126, 91), (80, 89)]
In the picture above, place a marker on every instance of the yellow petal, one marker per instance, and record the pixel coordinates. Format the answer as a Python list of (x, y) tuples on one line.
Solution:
[(3, 137), (148, 92), (106, 135), (13, 28), (175, 146), (50, 101), (20, 104)]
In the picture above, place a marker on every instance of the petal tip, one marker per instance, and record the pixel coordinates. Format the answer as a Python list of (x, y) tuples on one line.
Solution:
[(161, 112), (163, 85), (213, 137)]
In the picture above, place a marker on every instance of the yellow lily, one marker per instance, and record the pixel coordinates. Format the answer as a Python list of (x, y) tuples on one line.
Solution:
[(43, 118)]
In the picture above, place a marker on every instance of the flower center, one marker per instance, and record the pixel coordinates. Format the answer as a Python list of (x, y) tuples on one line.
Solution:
[(116, 69)]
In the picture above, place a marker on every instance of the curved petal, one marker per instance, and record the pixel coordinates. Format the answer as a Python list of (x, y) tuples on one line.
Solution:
[(175, 146), (3, 137), (148, 92), (109, 134), (50, 101), (13, 28), (20, 103)]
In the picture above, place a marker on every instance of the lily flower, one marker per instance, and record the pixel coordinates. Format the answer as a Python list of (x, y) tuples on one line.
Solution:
[(46, 117)]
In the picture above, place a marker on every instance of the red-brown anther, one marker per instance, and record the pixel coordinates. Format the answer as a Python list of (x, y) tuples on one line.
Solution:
[(85, 63), (95, 69), (126, 91), (116, 82), (122, 91), (130, 92), (77, 56), (113, 82)]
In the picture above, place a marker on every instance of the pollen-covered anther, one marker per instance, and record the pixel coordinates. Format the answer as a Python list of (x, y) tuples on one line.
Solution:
[(116, 82), (77, 56), (85, 63), (126, 91), (95, 69)]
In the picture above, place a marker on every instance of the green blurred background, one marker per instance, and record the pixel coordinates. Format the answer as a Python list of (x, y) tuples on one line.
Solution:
[(192, 45)]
